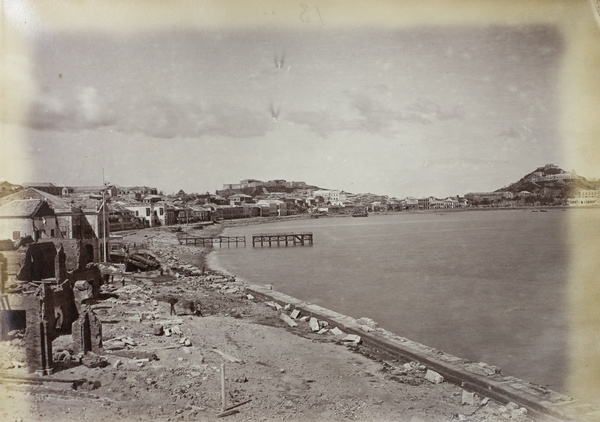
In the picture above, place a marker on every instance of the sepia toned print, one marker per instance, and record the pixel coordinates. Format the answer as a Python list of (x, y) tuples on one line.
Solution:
[(144, 143)]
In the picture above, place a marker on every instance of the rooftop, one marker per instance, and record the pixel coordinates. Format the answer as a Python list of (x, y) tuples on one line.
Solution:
[(21, 208)]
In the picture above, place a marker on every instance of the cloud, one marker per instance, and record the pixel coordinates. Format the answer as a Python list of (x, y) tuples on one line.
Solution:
[(374, 115), (319, 122), (428, 112), (165, 118), (157, 117), (510, 133), (463, 164), (70, 110)]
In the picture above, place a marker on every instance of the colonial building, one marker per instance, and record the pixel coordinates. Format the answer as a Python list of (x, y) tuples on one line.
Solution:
[(333, 197), (585, 197), (77, 217), (28, 217), (272, 207)]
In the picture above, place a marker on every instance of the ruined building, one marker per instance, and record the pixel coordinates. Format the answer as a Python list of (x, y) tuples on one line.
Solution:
[(40, 296)]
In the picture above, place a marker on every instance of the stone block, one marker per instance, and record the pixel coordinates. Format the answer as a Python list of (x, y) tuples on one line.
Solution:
[(512, 406), (129, 341), (314, 324), (352, 338), (483, 369), (337, 332), (295, 313), (289, 321), (367, 321), (433, 377), (272, 304), (114, 345), (468, 398)]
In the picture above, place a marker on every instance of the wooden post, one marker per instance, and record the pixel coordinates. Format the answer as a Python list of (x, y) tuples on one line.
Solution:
[(223, 395)]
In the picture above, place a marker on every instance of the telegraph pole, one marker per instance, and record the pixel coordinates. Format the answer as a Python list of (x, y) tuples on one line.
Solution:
[(104, 214)]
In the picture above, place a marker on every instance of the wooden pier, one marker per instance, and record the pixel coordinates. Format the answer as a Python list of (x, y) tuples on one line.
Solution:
[(210, 241), (279, 239)]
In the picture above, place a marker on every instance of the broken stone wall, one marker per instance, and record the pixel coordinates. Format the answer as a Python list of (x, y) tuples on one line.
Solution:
[(92, 275), (30, 304), (87, 333), (38, 262), (65, 309), (72, 249)]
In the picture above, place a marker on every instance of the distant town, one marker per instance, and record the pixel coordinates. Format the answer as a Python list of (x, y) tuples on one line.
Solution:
[(51, 210)]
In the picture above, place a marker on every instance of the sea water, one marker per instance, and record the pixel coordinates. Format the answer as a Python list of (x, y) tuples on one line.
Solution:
[(488, 286)]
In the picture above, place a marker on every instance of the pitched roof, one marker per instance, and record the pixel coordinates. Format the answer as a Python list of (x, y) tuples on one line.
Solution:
[(31, 193), (21, 208), (43, 184)]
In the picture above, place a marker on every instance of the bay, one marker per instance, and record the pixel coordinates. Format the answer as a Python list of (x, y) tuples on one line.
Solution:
[(488, 286)]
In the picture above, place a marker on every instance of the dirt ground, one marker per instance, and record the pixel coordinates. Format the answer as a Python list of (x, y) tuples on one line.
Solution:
[(158, 366)]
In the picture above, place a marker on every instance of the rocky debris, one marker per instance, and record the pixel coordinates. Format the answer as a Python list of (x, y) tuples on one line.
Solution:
[(313, 323), (337, 332), (483, 369), (468, 398), (352, 340), (92, 360), (289, 321), (367, 322), (433, 377)]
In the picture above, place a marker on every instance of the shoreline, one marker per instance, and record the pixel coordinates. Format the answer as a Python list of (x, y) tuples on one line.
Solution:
[(278, 366), (502, 388), (527, 394)]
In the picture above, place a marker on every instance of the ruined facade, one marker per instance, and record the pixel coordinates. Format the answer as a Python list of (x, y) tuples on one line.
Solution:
[(41, 297)]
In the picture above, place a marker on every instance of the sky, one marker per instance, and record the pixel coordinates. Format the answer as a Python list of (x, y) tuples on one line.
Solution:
[(400, 110)]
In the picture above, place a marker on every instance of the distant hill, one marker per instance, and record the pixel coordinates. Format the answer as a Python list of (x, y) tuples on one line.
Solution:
[(550, 180)]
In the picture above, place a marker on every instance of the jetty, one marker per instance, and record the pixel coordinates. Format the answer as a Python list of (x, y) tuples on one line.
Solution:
[(279, 239), (214, 240)]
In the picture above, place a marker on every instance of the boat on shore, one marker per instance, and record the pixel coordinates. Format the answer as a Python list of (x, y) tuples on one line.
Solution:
[(360, 214)]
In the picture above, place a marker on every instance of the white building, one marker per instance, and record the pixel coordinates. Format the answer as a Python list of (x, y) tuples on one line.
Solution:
[(585, 198), (334, 197)]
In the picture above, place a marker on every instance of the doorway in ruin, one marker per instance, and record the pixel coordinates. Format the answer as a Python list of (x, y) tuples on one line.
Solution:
[(11, 321), (89, 253)]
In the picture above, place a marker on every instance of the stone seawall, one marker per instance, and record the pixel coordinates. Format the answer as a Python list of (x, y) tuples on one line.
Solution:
[(484, 379)]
